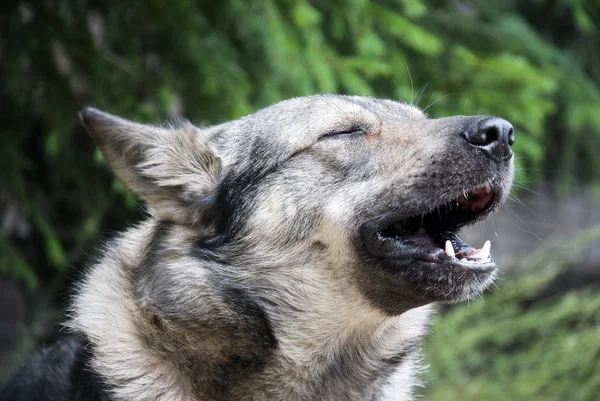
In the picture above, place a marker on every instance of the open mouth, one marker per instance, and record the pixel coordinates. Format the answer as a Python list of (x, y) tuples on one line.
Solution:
[(433, 237)]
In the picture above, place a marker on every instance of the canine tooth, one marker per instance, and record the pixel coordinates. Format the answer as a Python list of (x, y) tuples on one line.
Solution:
[(484, 252), (464, 260), (449, 249)]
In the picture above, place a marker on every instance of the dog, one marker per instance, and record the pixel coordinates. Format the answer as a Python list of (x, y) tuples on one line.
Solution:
[(292, 254)]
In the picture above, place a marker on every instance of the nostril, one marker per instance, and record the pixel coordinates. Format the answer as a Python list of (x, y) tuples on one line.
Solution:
[(482, 137), (511, 136), (491, 135)]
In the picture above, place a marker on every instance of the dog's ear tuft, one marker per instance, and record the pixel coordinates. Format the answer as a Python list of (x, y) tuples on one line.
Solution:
[(175, 170)]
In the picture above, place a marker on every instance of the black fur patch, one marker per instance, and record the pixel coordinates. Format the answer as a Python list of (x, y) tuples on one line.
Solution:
[(349, 367), (238, 188), (155, 246), (208, 244), (404, 353), (254, 316), (60, 372), (255, 328)]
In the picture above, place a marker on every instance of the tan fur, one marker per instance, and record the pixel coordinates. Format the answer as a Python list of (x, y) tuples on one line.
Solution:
[(248, 282), (108, 312)]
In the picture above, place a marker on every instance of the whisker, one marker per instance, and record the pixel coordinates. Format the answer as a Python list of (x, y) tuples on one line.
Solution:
[(515, 199), (423, 90), (443, 97), (528, 230), (530, 190)]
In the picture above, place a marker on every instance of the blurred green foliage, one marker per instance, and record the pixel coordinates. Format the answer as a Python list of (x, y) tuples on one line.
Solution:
[(532, 62), (520, 345), (501, 350)]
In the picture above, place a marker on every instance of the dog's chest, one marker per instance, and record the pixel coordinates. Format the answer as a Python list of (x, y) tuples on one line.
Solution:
[(377, 371), (382, 367), (345, 378)]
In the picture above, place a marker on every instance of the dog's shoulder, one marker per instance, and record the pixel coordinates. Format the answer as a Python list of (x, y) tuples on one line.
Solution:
[(60, 373)]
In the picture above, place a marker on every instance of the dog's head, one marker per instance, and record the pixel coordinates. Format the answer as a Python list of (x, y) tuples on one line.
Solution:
[(380, 190)]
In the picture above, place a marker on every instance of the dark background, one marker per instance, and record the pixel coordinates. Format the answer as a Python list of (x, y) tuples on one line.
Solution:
[(535, 63)]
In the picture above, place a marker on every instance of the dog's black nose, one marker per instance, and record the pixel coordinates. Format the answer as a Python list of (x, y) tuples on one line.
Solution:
[(493, 135)]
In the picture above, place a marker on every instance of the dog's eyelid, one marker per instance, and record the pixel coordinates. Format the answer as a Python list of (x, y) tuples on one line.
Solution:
[(345, 132)]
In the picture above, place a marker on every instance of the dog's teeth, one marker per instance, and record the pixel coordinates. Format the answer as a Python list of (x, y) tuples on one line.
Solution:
[(484, 252), (449, 249)]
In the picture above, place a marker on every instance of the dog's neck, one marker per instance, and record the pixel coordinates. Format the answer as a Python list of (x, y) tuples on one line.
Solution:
[(282, 338), (352, 358), (353, 352)]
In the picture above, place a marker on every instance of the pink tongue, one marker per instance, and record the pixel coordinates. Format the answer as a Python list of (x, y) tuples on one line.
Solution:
[(476, 199), (469, 254)]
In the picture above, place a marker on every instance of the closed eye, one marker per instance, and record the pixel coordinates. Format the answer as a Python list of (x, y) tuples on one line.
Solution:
[(344, 133)]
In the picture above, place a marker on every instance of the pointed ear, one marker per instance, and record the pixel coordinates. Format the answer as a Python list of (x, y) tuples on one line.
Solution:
[(176, 171)]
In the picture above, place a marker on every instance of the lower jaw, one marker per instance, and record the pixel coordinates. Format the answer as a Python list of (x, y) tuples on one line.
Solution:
[(413, 278), (459, 265), (439, 262), (446, 282), (396, 286)]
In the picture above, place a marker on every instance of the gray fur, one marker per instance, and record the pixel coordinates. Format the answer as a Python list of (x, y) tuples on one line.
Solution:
[(249, 281)]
